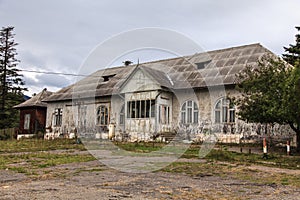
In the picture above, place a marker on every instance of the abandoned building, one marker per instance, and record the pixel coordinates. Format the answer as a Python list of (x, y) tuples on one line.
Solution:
[(33, 114), (143, 102)]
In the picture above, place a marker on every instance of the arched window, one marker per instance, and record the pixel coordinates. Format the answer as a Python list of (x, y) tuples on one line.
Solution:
[(102, 115), (224, 111), (189, 113)]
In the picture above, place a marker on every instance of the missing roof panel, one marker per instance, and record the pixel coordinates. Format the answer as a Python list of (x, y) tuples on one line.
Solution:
[(107, 77), (202, 65)]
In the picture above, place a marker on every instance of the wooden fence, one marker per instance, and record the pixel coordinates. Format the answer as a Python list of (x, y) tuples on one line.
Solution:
[(8, 133)]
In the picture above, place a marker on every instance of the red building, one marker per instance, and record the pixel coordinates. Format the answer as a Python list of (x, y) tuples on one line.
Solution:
[(33, 114)]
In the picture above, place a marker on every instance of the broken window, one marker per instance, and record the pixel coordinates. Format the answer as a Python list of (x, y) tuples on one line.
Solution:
[(141, 109), (58, 117), (26, 121), (102, 115), (189, 113), (224, 111)]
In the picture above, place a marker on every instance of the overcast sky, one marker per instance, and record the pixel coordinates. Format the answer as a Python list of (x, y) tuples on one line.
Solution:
[(58, 36)]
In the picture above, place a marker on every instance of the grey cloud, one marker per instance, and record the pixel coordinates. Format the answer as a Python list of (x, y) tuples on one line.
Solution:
[(58, 35)]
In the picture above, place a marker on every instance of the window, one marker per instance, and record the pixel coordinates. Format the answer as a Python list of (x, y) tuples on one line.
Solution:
[(164, 114), (122, 115), (189, 113), (224, 111), (26, 121), (82, 116), (141, 109), (58, 117), (102, 115)]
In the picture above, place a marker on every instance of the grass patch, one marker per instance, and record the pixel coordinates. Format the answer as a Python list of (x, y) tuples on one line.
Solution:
[(220, 154), (30, 162), (33, 145), (142, 147), (239, 172)]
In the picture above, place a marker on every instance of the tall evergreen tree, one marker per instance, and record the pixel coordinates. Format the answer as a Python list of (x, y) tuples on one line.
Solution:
[(11, 83), (292, 54)]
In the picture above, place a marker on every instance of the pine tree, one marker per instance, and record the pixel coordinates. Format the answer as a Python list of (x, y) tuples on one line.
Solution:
[(292, 54), (11, 83)]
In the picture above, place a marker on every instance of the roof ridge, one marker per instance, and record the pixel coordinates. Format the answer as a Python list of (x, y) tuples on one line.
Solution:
[(210, 51)]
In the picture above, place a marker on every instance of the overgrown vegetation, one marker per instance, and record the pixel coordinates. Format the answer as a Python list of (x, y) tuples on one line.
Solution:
[(271, 92)]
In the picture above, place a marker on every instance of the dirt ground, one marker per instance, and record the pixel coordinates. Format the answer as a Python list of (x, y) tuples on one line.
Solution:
[(93, 180)]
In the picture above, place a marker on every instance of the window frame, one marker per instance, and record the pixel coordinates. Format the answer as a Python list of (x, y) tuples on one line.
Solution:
[(164, 114), (189, 112), (102, 113), (224, 111), (58, 114), (27, 121), (122, 115), (141, 109)]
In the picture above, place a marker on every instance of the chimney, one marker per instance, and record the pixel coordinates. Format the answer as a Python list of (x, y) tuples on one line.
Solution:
[(127, 62)]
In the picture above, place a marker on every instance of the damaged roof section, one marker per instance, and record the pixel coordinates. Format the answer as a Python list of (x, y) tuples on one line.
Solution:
[(200, 70)]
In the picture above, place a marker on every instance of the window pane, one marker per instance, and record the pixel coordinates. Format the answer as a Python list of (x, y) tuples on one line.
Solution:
[(163, 114), (189, 115), (195, 117), (183, 117), (232, 116), (128, 109), (218, 106), (147, 108), (195, 106), (168, 116), (183, 107), (225, 114), (122, 115), (143, 111), (138, 109), (190, 103), (217, 116), (27, 122), (152, 108), (133, 109), (159, 114)]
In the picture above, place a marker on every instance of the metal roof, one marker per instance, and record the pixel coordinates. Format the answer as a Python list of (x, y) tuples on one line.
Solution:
[(36, 101), (217, 67)]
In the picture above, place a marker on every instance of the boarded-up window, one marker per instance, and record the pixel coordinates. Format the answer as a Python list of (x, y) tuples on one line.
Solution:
[(26, 121)]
